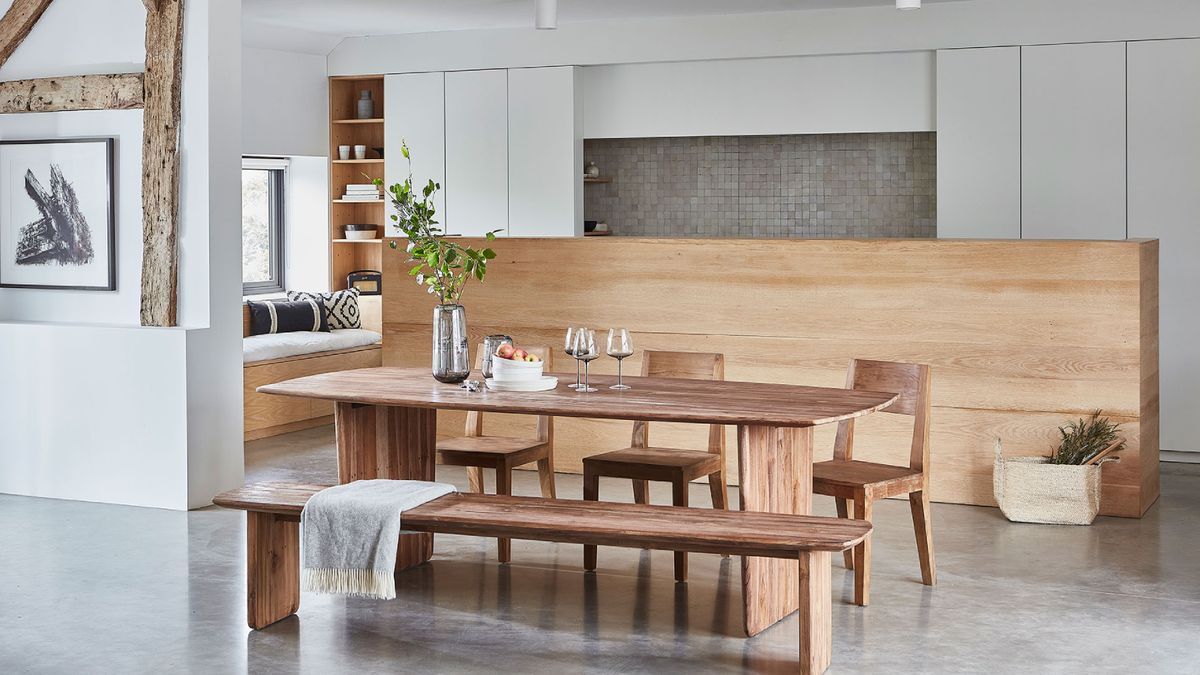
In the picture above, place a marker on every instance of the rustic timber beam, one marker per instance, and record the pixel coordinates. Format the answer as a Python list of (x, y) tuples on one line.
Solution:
[(160, 161), (122, 91), (17, 22)]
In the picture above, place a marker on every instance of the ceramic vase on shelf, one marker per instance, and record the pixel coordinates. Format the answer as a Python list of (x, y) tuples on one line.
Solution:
[(366, 105), (451, 357)]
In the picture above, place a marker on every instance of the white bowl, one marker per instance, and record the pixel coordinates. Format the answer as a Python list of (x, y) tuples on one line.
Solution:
[(507, 370)]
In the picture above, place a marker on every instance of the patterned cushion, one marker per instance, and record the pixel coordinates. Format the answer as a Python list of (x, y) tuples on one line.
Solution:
[(278, 316), (340, 306)]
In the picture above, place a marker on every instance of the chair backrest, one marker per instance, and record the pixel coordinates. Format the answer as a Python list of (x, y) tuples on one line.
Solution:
[(911, 382), (545, 423), (688, 366)]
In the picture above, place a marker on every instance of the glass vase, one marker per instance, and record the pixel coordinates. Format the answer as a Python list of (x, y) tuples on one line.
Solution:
[(451, 356)]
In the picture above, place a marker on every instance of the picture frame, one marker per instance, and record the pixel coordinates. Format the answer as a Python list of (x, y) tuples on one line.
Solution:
[(58, 214)]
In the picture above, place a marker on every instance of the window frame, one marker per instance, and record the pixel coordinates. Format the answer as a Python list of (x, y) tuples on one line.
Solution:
[(277, 178)]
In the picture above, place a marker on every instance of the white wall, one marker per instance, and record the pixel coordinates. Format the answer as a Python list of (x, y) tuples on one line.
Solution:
[(799, 95), (124, 414), (975, 23), (286, 103), (306, 225)]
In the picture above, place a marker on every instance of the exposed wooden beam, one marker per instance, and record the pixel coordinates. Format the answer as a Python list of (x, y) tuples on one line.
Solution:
[(160, 161), (77, 92), (17, 22)]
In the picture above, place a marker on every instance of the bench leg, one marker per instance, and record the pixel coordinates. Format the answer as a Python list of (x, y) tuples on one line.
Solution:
[(816, 612), (679, 497), (591, 492), (504, 487), (273, 572)]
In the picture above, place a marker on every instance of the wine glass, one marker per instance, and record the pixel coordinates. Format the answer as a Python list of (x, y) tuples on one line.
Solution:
[(620, 347), (585, 350), (569, 348)]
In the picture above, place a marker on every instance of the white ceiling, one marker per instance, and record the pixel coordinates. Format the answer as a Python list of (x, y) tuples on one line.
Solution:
[(318, 25)]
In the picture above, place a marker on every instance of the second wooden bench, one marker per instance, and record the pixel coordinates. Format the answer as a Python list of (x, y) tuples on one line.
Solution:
[(273, 542)]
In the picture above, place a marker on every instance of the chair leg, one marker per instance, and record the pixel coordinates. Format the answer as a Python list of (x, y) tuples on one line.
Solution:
[(546, 476), (843, 512), (716, 485), (641, 492), (475, 479), (591, 493), (504, 487), (679, 497), (862, 554), (919, 502)]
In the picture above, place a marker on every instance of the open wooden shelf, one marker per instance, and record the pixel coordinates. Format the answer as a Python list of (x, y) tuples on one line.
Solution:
[(358, 161), (358, 241), (373, 120), (358, 201)]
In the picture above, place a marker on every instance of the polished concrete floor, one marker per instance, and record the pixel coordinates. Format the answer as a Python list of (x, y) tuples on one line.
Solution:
[(88, 588)]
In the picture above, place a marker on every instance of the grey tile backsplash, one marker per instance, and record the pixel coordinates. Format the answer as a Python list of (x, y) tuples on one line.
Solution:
[(803, 186)]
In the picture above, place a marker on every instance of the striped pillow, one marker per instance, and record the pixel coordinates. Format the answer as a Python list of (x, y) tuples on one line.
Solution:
[(281, 316), (340, 306)]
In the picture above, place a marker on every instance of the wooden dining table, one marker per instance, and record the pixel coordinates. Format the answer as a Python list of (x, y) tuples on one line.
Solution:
[(386, 427)]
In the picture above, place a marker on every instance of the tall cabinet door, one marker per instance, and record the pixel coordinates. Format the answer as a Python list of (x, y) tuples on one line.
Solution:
[(979, 142), (476, 152), (545, 152), (1073, 141), (418, 119), (1164, 203)]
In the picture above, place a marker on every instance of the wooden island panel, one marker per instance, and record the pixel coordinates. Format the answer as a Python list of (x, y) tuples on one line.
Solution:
[(1021, 335)]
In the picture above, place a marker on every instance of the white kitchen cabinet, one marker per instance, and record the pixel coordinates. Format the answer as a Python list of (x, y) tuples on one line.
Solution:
[(1073, 141), (979, 142), (1164, 200), (476, 152), (418, 118), (545, 152)]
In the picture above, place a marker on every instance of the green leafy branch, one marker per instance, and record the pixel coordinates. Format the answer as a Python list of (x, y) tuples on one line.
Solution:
[(441, 265), (1083, 439)]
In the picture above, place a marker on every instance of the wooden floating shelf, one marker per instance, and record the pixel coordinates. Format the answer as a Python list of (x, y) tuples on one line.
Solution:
[(358, 241), (358, 161), (374, 120), (602, 179), (358, 201)]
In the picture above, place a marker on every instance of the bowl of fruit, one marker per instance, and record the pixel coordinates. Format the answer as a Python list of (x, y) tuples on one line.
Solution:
[(514, 364)]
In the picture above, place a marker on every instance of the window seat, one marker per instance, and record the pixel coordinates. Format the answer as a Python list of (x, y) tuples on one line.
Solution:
[(257, 348)]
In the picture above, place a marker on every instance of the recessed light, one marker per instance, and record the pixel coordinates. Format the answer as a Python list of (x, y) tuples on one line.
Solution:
[(908, 4)]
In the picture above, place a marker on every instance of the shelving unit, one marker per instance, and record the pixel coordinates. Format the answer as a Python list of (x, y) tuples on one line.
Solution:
[(348, 255)]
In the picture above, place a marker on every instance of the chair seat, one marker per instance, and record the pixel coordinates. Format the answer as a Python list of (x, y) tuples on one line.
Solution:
[(654, 463), (491, 451), (839, 478)]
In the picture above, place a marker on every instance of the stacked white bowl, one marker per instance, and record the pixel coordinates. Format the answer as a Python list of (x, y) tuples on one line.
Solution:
[(508, 370)]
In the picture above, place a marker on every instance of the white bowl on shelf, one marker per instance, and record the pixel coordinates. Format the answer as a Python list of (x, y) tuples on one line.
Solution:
[(508, 370)]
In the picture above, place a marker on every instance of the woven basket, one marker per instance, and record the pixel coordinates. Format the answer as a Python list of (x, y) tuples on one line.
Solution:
[(1031, 490)]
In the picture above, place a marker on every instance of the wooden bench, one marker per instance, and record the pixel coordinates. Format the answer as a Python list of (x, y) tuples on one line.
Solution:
[(273, 542)]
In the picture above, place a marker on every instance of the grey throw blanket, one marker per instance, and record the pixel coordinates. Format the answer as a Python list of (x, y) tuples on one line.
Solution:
[(349, 535)]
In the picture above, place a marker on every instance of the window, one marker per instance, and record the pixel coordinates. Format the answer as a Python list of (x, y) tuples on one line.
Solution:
[(263, 183)]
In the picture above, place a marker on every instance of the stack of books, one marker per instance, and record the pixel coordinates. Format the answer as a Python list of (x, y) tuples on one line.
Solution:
[(361, 192)]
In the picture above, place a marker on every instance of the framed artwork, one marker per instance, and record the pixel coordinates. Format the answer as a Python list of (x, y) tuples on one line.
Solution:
[(58, 214)]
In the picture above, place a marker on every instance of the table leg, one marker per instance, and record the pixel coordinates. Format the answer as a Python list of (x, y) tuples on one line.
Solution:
[(376, 441), (775, 475)]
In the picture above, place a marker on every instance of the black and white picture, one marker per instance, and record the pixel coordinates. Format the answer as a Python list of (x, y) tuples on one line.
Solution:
[(57, 214)]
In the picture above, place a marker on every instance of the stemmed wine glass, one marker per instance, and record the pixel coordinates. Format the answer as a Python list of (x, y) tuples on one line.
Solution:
[(569, 348), (620, 347), (585, 350)]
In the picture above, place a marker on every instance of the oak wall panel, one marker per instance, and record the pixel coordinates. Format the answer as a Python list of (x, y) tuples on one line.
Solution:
[(1021, 335)]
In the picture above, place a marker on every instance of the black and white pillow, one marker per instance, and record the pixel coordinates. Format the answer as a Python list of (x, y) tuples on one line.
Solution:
[(340, 306), (279, 316)]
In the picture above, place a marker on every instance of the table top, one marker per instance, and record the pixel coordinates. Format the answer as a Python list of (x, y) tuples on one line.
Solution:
[(650, 399)]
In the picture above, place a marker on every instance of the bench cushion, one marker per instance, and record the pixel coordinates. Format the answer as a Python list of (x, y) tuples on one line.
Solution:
[(674, 528), (284, 345)]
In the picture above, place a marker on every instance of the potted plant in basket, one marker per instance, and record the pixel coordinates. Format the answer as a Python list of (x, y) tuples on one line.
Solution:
[(1064, 488), (440, 265)]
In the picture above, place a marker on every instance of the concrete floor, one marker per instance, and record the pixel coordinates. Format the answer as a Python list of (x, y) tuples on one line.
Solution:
[(110, 589)]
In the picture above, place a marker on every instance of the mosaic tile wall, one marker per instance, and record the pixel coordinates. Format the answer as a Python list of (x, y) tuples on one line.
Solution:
[(809, 186)]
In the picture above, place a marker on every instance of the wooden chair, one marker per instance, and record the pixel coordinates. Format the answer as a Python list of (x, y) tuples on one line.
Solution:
[(845, 478), (641, 463), (478, 452)]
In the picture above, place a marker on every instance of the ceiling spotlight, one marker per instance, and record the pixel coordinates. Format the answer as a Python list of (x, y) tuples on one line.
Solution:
[(908, 4), (546, 14)]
